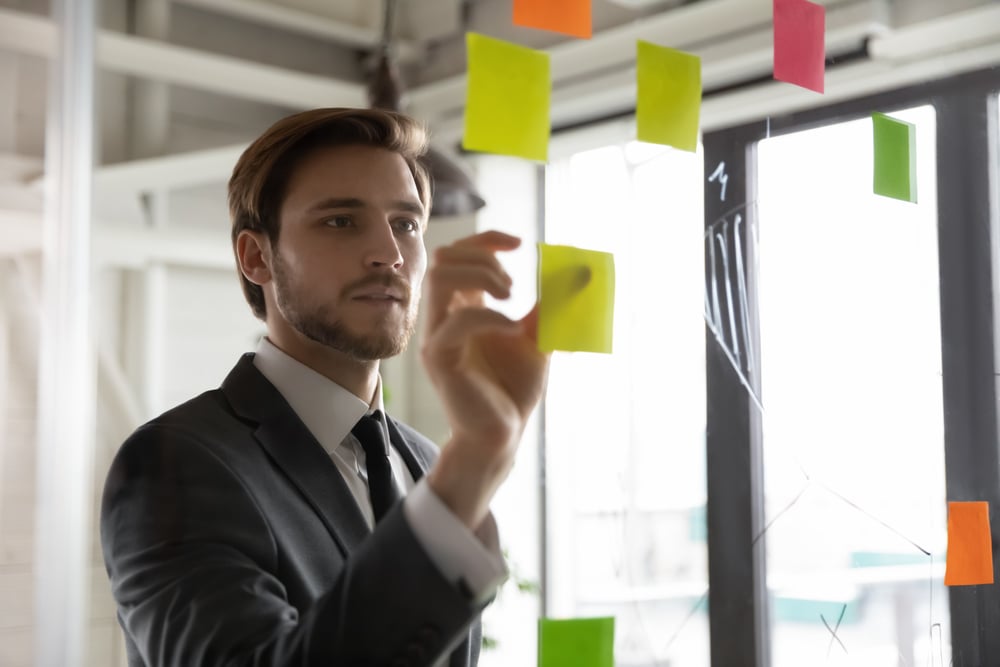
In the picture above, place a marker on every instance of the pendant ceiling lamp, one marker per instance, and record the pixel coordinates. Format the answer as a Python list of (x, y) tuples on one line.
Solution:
[(454, 191)]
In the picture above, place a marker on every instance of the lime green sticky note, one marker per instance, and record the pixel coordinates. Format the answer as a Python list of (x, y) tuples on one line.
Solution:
[(507, 99), (668, 103), (576, 642), (895, 158), (576, 298)]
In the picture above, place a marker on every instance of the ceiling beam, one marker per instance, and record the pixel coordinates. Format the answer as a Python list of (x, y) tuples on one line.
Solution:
[(681, 28), (724, 63), (135, 247), (842, 84), (124, 245), (712, 29), (776, 98), (306, 23), (169, 172), (739, 58), (692, 27), (116, 52), (963, 29)]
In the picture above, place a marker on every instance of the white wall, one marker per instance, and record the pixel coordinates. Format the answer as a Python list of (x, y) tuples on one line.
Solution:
[(18, 409)]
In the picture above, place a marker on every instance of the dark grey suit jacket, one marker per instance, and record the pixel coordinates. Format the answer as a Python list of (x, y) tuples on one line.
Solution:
[(231, 538)]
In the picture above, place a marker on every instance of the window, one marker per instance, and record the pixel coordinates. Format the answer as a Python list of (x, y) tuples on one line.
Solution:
[(625, 432), (851, 383)]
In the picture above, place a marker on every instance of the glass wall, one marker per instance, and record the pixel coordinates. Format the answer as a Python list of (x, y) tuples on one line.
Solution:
[(851, 387), (625, 432)]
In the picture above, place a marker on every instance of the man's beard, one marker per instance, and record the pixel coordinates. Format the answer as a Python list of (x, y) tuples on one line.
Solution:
[(315, 322)]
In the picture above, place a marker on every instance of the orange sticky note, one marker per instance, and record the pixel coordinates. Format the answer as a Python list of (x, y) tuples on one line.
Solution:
[(970, 546), (570, 17), (800, 43)]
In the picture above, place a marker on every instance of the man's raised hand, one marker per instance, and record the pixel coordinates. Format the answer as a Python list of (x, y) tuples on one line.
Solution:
[(486, 368)]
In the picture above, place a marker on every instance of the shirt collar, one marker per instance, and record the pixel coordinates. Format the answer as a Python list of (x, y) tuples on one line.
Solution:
[(327, 409)]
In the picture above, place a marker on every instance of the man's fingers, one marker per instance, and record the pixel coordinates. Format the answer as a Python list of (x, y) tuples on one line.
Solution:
[(467, 265), (493, 240), (445, 280), (456, 254), (448, 341), (530, 323), (465, 277)]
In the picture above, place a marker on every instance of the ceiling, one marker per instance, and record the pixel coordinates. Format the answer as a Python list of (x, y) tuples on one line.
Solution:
[(182, 85)]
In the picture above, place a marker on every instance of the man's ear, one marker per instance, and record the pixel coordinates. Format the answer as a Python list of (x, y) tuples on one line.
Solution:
[(253, 252)]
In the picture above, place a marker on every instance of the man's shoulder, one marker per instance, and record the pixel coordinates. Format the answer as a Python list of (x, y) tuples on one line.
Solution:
[(198, 418), (206, 411)]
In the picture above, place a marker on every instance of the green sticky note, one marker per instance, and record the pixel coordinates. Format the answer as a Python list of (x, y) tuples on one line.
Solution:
[(507, 99), (576, 642), (576, 298), (668, 103), (895, 158)]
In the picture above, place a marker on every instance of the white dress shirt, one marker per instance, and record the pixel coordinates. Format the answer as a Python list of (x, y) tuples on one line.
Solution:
[(471, 560)]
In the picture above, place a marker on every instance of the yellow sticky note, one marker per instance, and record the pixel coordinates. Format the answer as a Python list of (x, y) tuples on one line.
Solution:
[(668, 103), (576, 291), (507, 99)]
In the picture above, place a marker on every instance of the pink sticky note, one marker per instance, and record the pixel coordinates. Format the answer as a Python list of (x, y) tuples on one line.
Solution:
[(800, 43)]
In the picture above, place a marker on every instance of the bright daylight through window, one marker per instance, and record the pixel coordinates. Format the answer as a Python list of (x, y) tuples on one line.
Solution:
[(851, 387), (625, 432)]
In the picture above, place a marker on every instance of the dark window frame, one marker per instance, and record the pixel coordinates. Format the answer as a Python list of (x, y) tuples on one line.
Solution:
[(967, 169)]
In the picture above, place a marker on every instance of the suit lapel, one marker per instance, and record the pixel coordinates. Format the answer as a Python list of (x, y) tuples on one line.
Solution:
[(296, 452)]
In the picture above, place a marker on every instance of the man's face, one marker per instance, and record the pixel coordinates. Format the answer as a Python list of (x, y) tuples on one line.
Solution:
[(350, 256)]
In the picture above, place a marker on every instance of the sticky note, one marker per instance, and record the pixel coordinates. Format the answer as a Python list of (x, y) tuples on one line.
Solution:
[(668, 105), (895, 158), (800, 43), (576, 291), (970, 547), (576, 642), (570, 17), (507, 99)]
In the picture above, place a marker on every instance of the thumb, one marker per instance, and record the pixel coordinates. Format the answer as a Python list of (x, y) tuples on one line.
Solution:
[(529, 323)]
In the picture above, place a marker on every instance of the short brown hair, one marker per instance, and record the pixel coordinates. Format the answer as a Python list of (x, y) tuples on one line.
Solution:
[(258, 183)]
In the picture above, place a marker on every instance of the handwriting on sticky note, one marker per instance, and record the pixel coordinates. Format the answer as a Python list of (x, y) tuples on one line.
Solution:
[(576, 642), (800, 43), (668, 99), (576, 290), (507, 99), (970, 545), (570, 17), (895, 167)]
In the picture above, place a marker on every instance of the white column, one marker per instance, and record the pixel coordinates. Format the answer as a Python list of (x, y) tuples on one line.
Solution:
[(150, 115), (154, 313), (8, 102), (5, 381), (150, 112), (66, 401)]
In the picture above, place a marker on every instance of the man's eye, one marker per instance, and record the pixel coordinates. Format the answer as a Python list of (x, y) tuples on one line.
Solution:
[(408, 225), (338, 221)]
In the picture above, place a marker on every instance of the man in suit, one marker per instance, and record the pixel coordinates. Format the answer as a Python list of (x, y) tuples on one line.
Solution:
[(261, 523)]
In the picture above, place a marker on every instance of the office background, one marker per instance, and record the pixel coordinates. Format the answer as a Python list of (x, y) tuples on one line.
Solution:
[(791, 465)]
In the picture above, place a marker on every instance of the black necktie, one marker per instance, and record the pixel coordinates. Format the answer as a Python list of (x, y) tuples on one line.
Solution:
[(381, 487)]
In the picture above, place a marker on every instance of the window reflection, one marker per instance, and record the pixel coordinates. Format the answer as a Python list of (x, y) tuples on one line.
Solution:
[(851, 384)]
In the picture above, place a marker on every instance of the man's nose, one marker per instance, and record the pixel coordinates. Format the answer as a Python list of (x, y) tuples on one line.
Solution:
[(383, 247)]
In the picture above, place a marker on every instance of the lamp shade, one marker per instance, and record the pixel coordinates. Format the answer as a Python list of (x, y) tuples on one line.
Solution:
[(454, 191)]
